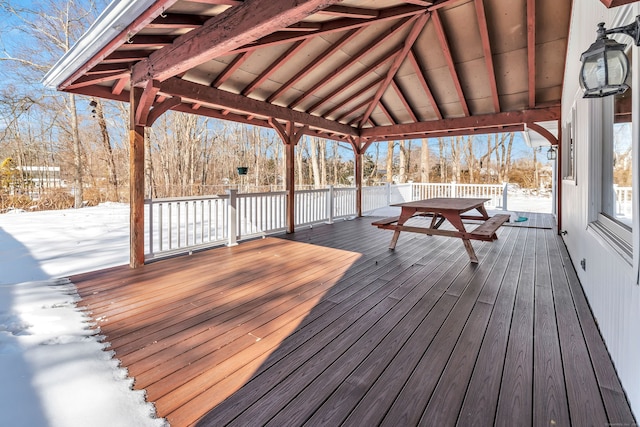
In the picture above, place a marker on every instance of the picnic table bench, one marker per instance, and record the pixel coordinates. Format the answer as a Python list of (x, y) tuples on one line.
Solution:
[(441, 209)]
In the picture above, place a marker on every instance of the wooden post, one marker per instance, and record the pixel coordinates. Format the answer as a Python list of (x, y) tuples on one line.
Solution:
[(290, 139), (358, 177), (136, 185), (290, 184)]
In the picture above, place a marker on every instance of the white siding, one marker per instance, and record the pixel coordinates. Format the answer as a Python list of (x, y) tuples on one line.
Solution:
[(609, 280)]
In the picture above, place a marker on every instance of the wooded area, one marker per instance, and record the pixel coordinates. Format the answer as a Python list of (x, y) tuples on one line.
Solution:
[(185, 154)]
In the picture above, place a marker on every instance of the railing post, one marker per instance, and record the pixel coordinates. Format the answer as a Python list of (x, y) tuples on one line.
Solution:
[(505, 193), (232, 204), (453, 191), (150, 204), (330, 205)]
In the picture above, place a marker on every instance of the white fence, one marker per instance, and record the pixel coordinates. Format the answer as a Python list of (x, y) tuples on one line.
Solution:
[(624, 205), (182, 225)]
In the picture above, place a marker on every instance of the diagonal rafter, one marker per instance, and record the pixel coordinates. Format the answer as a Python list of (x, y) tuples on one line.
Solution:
[(352, 97), (423, 82), (397, 62), (346, 38), (353, 110), (444, 44), (488, 55), (230, 69), (372, 68), (221, 34), (354, 59), (531, 50), (404, 101), (335, 26), (268, 72)]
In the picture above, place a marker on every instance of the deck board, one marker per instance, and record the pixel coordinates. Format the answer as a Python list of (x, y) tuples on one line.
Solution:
[(328, 327)]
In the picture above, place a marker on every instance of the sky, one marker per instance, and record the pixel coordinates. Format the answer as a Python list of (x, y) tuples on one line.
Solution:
[(54, 369)]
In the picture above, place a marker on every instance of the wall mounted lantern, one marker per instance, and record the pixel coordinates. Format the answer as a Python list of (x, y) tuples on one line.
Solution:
[(551, 153), (605, 66)]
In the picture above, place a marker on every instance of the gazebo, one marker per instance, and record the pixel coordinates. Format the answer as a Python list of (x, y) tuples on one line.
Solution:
[(353, 70)]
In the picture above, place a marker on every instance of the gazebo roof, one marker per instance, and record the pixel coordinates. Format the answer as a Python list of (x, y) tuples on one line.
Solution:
[(364, 70)]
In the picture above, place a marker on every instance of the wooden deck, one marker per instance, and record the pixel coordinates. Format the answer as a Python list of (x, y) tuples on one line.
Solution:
[(329, 327)]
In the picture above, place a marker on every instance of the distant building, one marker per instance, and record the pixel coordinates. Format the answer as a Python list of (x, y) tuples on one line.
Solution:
[(43, 177)]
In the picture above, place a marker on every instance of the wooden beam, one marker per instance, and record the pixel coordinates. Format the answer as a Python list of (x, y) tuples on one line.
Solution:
[(147, 99), (404, 101), (488, 54), (138, 23), (531, 51), (136, 185), (230, 69), (346, 85), (177, 21), (208, 95), (290, 137), (118, 87), (318, 60), (444, 44), (343, 103), (336, 72), (94, 79), (275, 65), (335, 26), (358, 160), (221, 34), (465, 123), (416, 29), (616, 3), (423, 82), (161, 108), (543, 132), (350, 12)]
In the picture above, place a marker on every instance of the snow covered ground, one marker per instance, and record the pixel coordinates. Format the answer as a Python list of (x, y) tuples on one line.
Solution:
[(53, 369)]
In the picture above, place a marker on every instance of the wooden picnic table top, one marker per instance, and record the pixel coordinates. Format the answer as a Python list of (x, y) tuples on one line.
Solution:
[(459, 204)]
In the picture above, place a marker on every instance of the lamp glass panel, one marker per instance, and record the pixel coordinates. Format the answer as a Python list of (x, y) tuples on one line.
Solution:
[(593, 72), (617, 66)]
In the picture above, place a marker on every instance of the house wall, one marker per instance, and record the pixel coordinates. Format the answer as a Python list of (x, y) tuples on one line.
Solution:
[(609, 279)]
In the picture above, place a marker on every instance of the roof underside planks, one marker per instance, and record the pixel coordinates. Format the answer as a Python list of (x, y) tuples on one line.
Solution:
[(350, 70)]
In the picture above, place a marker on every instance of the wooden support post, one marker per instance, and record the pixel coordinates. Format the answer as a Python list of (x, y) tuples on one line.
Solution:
[(136, 185), (290, 139), (290, 184), (358, 178)]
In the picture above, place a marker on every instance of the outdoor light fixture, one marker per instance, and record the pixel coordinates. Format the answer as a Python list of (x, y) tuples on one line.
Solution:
[(551, 153), (605, 66)]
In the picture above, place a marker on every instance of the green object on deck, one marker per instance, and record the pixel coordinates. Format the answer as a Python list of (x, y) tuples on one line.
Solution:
[(521, 219)]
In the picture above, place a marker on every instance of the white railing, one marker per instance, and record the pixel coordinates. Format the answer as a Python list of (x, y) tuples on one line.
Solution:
[(175, 225), (181, 225), (624, 201), (494, 192)]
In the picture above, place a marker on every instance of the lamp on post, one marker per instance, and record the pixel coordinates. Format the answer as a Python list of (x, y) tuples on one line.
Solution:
[(551, 153), (605, 66)]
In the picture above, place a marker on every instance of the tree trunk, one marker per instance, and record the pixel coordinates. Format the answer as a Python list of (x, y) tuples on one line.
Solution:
[(402, 172), (106, 143), (315, 166), (390, 145), (424, 161), (443, 166)]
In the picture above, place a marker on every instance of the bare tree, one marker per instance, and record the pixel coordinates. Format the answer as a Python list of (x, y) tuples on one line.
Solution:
[(49, 29)]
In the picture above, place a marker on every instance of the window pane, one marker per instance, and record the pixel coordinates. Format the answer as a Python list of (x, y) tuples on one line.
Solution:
[(617, 165)]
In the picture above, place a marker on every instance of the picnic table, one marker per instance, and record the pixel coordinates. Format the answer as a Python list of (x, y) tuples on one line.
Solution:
[(450, 209)]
